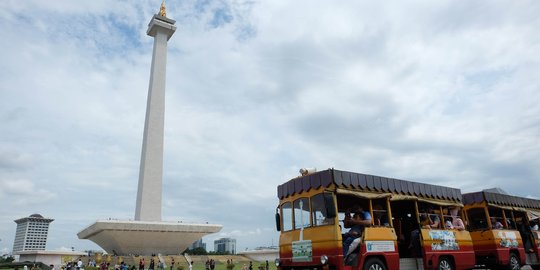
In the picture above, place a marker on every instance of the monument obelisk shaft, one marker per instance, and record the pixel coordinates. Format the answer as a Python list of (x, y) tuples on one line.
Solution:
[(148, 206), (148, 234)]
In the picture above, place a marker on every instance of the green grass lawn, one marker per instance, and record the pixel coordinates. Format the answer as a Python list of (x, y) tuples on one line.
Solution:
[(223, 266)]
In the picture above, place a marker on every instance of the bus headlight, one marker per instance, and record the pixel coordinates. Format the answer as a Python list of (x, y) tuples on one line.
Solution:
[(324, 259), (277, 262)]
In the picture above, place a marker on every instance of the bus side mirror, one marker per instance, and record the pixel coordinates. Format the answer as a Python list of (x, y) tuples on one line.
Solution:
[(278, 222), (329, 204)]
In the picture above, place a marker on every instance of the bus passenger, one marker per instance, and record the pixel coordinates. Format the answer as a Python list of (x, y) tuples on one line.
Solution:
[(425, 221), (457, 223), (357, 222), (496, 224), (434, 219)]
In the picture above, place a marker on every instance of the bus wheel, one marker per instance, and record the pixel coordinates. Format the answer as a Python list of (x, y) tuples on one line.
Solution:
[(513, 264), (445, 264), (535, 266), (374, 264)]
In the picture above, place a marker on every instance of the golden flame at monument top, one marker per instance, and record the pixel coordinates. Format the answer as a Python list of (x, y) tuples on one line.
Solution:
[(163, 9)]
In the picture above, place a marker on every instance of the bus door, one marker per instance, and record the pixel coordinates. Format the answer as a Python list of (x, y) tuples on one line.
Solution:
[(529, 238), (534, 221), (534, 260), (406, 228)]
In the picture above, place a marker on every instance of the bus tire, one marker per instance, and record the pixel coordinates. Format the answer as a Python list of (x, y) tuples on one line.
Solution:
[(374, 264), (513, 262), (445, 264), (535, 266)]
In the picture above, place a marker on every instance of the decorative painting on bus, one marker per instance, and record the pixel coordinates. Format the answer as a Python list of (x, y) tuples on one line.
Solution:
[(302, 251), (508, 239), (447, 240)]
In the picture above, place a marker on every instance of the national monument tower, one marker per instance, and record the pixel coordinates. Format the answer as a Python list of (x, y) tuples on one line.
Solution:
[(147, 234)]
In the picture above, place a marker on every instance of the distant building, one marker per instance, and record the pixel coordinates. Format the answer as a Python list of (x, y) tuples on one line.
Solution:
[(198, 244), (225, 245), (31, 233)]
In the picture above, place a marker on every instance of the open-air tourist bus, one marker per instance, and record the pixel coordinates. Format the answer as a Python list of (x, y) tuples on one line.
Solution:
[(502, 229), (405, 226)]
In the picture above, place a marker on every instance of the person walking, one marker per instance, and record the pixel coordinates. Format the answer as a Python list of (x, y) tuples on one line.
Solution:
[(141, 264)]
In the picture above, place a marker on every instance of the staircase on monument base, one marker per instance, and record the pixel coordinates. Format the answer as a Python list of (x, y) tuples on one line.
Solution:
[(188, 258)]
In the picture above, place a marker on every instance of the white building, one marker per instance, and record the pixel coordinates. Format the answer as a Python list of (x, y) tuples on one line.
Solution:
[(31, 233), (225, 245)]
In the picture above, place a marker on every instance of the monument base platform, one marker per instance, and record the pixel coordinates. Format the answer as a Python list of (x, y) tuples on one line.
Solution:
[(122, 237)]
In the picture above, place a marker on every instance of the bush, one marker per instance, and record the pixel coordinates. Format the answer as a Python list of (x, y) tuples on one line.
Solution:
[(7, 259)]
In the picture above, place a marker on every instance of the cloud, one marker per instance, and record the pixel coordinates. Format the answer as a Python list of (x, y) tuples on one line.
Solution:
[(24, 192)]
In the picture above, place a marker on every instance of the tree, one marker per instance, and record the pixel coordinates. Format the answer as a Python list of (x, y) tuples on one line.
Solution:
[(197, 251), (6, 259)]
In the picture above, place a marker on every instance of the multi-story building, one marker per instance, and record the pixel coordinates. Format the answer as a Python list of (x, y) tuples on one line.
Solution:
[(198, 244), (31, 233), (225, 245)]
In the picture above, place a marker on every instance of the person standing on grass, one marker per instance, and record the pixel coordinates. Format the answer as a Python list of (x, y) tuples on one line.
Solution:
[(141, 264)]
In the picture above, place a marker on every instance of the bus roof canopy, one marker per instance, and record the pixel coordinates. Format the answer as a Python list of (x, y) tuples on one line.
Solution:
[(366, 182), (502, 200)]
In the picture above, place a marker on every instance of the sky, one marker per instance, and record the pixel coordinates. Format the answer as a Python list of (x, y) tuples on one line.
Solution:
[(438, 92)]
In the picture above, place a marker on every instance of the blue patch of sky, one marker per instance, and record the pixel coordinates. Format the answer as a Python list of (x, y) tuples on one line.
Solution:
[(220, 13), (124, 37), (118, 37), (130, 33), (245, 32), (221, 17), (202, 5)]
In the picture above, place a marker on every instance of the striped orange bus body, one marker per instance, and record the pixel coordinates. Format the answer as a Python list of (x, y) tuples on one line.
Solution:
[(312, 239), (499, 227)]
